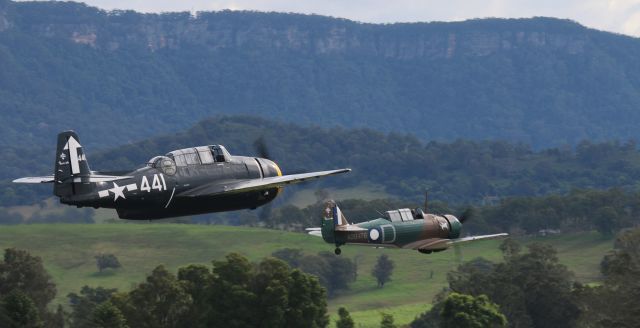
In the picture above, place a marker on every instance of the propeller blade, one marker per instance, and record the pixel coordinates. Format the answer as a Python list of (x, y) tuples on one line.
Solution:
[(466, 215), (261, 148)]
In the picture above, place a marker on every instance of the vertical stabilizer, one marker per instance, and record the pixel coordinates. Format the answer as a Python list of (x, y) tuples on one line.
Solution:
[(71, 166), (332, 217), (338, 218)]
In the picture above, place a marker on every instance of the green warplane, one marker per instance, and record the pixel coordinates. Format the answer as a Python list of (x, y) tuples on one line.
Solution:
[(186, 181), (401, 228)]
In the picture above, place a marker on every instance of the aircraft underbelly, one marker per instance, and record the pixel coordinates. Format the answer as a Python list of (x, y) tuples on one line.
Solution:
[(183, 206)]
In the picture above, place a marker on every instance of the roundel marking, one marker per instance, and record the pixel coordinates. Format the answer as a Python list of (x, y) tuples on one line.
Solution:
[(374, 234)]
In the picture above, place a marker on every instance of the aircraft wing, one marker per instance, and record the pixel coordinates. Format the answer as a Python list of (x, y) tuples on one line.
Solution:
[(444, 243), (475, 238), (217, 188)]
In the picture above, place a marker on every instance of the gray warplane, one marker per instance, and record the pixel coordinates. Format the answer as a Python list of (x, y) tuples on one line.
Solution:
[(402, 228), (183, 182)]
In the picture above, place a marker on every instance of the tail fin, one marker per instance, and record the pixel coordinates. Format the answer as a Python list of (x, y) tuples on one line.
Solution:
[(71, 167), (332, 217), (338, 218), (72, 175)]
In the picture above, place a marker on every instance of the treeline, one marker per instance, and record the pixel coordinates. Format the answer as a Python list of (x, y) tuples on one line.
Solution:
[(606, 211), (534, 290), (455, 172), (460, 171), (232, 293)]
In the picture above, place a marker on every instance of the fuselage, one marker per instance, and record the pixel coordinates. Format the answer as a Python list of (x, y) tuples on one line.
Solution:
[(402, 232), (150, 192)]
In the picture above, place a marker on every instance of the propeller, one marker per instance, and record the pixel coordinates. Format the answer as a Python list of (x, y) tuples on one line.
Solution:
[(466, 215), (261, 148)]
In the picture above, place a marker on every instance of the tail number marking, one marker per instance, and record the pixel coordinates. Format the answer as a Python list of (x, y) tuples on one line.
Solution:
[(158, 183)]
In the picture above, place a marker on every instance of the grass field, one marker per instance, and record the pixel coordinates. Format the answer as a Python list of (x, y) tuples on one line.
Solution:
[(68, 252)]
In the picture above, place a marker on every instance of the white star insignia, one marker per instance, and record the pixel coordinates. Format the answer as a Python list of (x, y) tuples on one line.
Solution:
[(443, 225), (117, 191)]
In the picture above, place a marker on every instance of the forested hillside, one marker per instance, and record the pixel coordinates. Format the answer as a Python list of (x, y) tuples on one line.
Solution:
[(122, 76), (456, 172)]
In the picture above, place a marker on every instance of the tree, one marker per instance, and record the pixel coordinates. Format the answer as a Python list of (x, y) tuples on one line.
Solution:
[(163, 298), (105, 261), (25, 273), (335, 273), (383, 270), (270, 285), (431, 318), (339, 271), (268, 294), (307, 302), (231, 300), (532, 289), (615, 303), (196, 280), (290, 255), (106, 315), (84, 304), (510, 247), (606, 220), (344, 319), (466, 311), (387, 321), (19, 311)]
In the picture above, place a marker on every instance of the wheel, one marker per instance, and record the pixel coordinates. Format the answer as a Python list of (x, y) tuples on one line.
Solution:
[(337, 251)]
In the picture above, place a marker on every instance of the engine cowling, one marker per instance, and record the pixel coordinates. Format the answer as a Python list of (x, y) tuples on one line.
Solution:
[(454, 226)]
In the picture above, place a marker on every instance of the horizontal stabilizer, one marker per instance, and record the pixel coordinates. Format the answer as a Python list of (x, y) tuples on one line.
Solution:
[(316, 233), (349, 227), (91, 178), (44, 179), (107, 178), (217, 188)]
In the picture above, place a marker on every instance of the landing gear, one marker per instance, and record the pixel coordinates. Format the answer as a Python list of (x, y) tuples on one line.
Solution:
[(337, 251)]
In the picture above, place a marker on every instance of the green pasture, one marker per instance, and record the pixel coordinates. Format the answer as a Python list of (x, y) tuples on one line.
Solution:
[(68, 252)]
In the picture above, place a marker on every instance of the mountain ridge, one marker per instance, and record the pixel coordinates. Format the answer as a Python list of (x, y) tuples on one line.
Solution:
[(121, 76), (215, 30)]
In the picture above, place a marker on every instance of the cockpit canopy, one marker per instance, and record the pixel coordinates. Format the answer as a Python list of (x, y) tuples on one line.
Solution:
[(403, 214), (164, 164), (200, 155)]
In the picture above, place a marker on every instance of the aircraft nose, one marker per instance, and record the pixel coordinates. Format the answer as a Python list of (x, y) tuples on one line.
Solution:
[(270, 168), (275, 169)]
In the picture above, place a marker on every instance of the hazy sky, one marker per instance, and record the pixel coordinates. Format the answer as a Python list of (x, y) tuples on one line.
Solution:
[(621, 16)]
